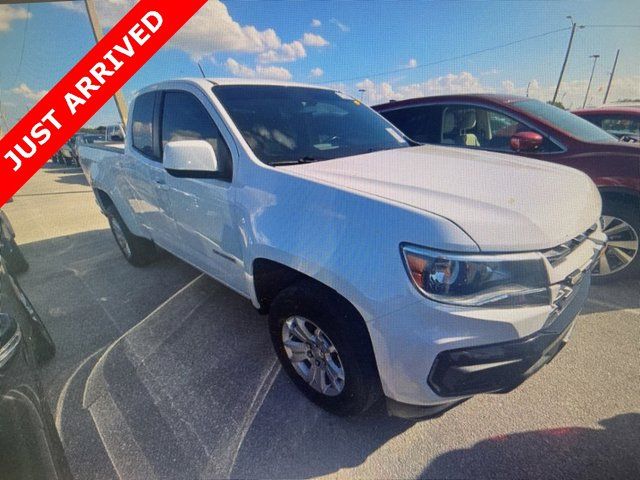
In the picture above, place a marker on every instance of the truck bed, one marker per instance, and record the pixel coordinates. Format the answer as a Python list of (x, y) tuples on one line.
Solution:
[(95, 155)]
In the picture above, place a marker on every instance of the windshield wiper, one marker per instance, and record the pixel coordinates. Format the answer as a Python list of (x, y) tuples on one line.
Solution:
[(305, 159)]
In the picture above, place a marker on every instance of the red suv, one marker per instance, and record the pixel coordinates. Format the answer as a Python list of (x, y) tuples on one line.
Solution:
[(621, 121), (512, 124)]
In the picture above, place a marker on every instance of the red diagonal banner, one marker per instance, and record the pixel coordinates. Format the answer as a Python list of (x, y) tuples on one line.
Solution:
[(87, 87)]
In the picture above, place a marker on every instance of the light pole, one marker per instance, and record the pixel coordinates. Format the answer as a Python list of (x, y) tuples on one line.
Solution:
[(574, 25), (593, 69), (121, 105), (613, 70), (528, 85)]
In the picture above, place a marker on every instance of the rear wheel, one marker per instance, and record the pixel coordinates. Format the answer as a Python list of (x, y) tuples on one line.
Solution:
[(137, 250), (621, 223), (325, 348)]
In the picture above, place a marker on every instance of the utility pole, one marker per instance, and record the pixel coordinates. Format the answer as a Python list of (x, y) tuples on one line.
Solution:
[(613, 70), (574, 25), (98, 34), (593, 69), (4, 121)]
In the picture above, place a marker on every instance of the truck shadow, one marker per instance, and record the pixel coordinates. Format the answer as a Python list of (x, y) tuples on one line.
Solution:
[(188, 383), (292, 438), (612, 451), (73, 179)]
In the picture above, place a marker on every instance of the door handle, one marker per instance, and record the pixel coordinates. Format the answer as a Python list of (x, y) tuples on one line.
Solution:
[(160, 181)]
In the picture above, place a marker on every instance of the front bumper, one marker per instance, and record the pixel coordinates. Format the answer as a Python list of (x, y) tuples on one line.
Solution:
[(501, 367)]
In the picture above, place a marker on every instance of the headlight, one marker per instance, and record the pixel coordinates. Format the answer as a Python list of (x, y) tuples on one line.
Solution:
[(478, 280)]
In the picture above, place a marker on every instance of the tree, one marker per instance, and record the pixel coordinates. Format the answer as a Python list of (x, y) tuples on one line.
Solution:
[(557, 104)]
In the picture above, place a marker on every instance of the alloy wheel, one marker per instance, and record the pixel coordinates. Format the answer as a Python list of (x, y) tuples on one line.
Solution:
[(621, 249), (313, 355)]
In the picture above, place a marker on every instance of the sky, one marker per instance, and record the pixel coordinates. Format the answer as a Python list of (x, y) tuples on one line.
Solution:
[(376, 51)]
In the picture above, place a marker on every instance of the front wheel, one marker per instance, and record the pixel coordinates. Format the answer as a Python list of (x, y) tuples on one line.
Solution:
[(621, 223), (325, 348)]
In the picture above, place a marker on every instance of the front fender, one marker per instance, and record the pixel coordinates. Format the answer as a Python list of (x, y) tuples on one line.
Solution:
[(346, 240)]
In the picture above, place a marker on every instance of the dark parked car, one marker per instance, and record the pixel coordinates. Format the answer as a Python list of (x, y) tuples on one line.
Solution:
[(29, 444), (619, 120), (14, 259), (512, 124), (65, 155)]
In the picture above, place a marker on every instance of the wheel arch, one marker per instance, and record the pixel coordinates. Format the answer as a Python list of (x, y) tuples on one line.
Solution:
[(270, 277), (620, 194)]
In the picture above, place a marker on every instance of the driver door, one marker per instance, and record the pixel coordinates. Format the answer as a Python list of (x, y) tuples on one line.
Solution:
[(203, 209)]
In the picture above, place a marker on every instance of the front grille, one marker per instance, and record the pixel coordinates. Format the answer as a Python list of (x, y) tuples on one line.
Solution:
[(558, 254), (569, 264)]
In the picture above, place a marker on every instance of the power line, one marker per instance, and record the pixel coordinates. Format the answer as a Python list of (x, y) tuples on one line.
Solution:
[(444, 60), (613, 26)]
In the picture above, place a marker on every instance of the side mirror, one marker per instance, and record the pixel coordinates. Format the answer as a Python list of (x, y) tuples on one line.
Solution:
[(190, 158), (525, 141)]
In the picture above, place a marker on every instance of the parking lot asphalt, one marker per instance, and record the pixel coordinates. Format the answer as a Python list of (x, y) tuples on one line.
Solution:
[(162, 372)]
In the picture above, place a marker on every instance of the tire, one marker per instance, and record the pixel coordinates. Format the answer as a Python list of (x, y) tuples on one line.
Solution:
[(621, 222), (345, 330), (14, 258), (138, 251)]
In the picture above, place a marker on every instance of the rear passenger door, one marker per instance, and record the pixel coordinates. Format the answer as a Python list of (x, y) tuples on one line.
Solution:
[(204, 208), (144, 179)]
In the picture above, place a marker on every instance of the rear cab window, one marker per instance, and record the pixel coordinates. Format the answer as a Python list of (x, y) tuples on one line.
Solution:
[(142, 126)]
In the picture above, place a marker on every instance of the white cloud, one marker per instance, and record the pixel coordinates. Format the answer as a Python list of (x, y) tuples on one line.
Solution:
[(464, 82), (412, 63), (313, 40), (8, 14), (210, 30), (239, 70), (572, 92), (340, 25), (275, 73), (288, 52), (24, 91), (213, 30), (317, 72), (75, 6), (315, 23)]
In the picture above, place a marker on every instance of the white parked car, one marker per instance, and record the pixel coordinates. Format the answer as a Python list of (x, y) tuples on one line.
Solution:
[(424, 274)]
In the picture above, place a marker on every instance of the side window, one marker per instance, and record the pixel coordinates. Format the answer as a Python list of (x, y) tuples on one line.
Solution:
[(421, 124), (142, 125), (621, 126), (478, 127), (185, 118)]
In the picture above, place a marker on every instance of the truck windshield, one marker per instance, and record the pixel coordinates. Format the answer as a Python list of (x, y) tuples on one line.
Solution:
[(572, 124), (285, 125)]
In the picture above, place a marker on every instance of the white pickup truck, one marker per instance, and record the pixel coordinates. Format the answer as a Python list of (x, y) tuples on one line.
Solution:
[(421, 273)]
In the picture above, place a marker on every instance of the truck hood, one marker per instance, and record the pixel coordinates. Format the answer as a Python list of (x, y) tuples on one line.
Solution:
[(503, 202)]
